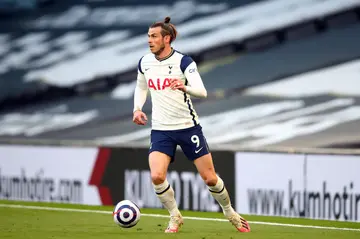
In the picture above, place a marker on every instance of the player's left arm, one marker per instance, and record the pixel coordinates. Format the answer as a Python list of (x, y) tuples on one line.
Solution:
[(195, 86)]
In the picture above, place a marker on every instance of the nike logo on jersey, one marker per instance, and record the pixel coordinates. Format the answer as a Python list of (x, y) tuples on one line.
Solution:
[(147, 69), (198, 150)]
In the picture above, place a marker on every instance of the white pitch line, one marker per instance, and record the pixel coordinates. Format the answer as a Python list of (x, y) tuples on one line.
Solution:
[(166, 216)]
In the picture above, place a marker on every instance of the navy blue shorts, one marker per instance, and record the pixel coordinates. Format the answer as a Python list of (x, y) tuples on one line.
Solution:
[(191, 141)]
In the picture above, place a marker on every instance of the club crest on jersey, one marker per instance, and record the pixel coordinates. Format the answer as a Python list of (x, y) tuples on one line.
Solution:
[(159, 84)]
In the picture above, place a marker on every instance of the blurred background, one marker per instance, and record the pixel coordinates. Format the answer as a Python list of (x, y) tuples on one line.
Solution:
[(279, 73)]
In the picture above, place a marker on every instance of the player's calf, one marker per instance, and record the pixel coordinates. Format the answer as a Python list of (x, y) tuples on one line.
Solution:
[(221, 195), (219, 192), (166, 195)]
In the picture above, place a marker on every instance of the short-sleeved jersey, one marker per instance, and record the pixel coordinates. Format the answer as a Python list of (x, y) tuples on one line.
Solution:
[(171, 109)]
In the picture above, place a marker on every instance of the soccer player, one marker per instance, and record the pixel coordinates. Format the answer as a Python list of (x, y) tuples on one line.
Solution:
[(172, 77)]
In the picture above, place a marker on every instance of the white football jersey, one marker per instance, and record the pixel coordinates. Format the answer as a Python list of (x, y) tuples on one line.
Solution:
[(171, 109)]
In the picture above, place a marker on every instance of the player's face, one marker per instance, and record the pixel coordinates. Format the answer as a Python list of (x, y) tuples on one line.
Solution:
[(156, 40)]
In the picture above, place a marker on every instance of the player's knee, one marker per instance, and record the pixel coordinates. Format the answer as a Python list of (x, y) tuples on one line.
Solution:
[(158, 178), (210, 180)]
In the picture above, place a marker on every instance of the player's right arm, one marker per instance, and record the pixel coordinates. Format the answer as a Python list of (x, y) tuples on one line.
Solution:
[(140, 95)]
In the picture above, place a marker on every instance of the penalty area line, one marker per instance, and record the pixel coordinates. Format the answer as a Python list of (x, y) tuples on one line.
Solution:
[(166, 216)]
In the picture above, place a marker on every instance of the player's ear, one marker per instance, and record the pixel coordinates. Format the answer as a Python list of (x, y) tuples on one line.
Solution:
[(167, 38)]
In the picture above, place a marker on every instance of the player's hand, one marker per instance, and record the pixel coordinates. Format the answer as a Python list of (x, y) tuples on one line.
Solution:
[(139, 118), (177, 85)]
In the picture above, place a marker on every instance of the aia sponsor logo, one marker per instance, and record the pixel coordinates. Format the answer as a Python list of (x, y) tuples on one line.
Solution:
[(159, 84)]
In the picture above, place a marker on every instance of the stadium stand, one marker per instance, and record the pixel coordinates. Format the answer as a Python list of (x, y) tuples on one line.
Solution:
[(93, 100), (287, 59), (70, 32), (17, 5)]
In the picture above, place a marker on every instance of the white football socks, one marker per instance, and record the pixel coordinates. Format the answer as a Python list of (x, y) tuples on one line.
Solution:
[(166, 194), (221, 195)]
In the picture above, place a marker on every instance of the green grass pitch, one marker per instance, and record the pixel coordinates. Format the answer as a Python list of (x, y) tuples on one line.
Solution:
[(38, 221)]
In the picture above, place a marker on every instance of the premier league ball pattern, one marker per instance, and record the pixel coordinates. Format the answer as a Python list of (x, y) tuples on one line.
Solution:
[(126, 214)]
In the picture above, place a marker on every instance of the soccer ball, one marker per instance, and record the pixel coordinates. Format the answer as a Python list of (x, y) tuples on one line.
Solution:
[(126, 214)]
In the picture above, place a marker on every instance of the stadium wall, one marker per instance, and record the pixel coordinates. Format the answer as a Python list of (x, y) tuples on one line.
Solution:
[(309, 185), (318, 186)]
